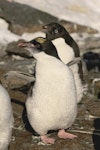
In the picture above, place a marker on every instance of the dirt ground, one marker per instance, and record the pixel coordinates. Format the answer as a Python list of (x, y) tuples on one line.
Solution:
[(86, 126), (87, 123)]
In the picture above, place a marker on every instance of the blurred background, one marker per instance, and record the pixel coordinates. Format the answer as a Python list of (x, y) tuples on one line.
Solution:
[(23, 20)]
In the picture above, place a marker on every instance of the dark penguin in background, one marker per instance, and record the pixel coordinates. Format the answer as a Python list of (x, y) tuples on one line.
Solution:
[(92, 60), (6, 119), (52, 104), (67, 50)]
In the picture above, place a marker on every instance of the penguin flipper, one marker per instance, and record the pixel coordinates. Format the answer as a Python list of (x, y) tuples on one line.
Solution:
[(76, 60)]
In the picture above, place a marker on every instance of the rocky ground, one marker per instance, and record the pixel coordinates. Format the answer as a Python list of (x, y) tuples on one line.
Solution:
[(87, 124)]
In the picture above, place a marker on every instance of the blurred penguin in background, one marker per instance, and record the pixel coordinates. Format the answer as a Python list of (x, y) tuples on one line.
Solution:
[(6, 119)]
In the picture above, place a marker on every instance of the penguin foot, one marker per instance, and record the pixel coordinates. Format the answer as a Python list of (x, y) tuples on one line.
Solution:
[(47, 140), (64, 135), (85, 89)]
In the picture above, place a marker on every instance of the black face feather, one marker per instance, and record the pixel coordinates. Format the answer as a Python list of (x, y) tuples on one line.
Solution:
[(37, 45), (40, 44), (49, 49), (55, 30)]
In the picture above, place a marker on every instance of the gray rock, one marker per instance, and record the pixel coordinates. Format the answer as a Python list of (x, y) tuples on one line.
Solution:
[(17, 80), (14, 49), (74, 27), (12, 63), (19, 72), (91, 43), (23, 18)]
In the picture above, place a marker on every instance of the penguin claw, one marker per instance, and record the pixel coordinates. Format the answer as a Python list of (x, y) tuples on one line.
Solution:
[(64, 135), (47, 140)]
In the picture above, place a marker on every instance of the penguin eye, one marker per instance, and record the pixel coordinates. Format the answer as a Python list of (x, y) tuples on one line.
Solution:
[(38, 46), (55, 31)]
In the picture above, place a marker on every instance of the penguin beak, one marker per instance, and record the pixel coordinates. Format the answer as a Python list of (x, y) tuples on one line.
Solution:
[(45, 28), (26, 44), (29, 46)]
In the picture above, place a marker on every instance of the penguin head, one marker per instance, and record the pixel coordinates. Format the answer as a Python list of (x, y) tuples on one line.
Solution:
[(54, 30), (32, 46), (38, 45)]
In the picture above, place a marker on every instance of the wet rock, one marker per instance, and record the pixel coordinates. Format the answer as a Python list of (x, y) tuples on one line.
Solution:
[(18, 76), (23, 18), (74, 27), (91, 43), (14, 49), (28, 19), (17, 80), (14, 63)]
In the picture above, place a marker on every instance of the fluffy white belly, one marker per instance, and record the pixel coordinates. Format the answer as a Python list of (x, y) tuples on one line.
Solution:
[(53, 103), (6, 119), (78, 82), (66, 54)]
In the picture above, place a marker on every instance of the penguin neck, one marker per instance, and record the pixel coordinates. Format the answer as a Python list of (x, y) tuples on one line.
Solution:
[(52, 52), (50, 49), (65, 52), (40, 54), (70, 41)]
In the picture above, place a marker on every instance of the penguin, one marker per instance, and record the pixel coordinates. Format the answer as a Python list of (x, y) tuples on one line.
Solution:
[(92, 60), (52, 104), (67, 50), (6, 119)]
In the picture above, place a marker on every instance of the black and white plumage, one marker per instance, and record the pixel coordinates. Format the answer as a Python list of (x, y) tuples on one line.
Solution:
[(52, 104), (92, 60), (67, 50), (6, 119)]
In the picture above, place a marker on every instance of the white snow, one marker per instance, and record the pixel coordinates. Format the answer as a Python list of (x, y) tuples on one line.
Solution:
[(79, 11), (30, 36), (84, 12), (3, 24), (6, 36)]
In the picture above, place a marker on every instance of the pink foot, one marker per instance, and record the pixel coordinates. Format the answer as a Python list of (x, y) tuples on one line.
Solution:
[(47, 140), (64, 135)]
